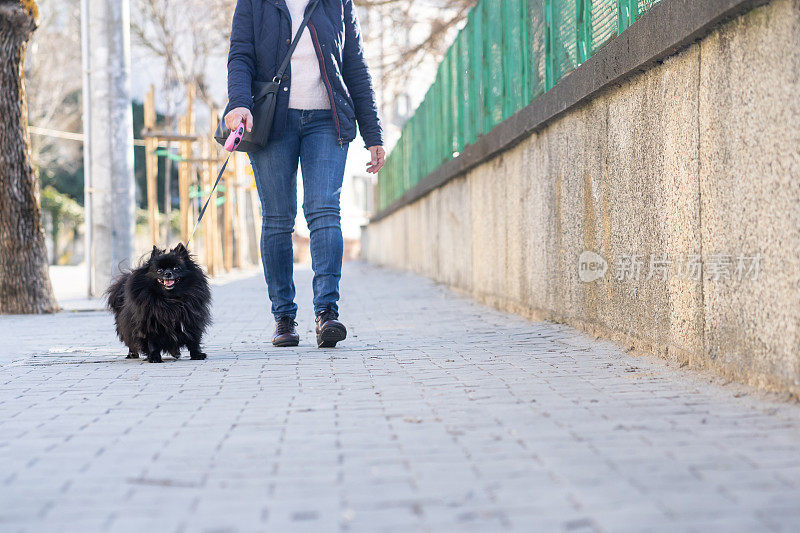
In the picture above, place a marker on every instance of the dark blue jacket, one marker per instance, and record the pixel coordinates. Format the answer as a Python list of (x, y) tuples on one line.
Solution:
[(260, 38)]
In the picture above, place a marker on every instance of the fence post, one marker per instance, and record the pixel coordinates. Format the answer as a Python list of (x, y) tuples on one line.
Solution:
[(627, 13), (549, 45), (186, 127), (255, 208), (183, 182), (476, 66), (227, 221), (205, 187), (584, 19), (213, 210), (526, 51), (241, 213), (151, 164), (515, 60)]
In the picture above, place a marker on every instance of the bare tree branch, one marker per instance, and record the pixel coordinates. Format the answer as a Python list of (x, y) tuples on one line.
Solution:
[(408, 39), (54, 89), (185, 34)]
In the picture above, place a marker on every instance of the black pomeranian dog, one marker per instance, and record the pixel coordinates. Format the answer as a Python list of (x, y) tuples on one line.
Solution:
[(162, 305)]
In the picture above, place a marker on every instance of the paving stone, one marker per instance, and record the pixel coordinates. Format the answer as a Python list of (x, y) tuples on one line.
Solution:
[(436, 414)]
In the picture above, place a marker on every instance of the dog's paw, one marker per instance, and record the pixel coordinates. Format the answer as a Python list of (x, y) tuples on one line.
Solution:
[(132, 355), (176, 354), (198, 356), (154, 358)]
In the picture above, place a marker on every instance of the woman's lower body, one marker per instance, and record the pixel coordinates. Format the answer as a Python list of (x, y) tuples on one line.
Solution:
[(309, 139)]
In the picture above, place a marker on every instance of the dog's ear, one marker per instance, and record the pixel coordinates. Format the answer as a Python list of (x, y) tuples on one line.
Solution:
[(155, 253), (181, 250)]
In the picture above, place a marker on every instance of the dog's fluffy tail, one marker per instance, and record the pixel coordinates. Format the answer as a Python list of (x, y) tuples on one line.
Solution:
[(115, 294)]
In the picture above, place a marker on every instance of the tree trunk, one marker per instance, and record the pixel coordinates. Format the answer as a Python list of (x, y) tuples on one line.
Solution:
[(24, 278)]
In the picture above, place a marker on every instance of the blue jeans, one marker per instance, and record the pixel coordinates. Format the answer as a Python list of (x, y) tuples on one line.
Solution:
[(310, 138)]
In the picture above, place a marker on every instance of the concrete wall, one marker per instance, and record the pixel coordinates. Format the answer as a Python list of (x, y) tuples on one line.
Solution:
[(699, 155)]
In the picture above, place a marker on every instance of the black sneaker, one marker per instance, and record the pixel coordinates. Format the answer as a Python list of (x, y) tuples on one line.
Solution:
[(285, 334), (329, 329)]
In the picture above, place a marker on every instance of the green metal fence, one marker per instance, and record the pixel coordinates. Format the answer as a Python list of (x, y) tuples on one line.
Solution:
[(509, 53)]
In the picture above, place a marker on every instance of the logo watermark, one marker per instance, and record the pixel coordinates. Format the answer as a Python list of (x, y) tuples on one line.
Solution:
[(636, 267), (591, 266)]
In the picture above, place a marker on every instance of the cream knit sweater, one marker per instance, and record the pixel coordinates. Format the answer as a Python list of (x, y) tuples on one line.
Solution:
[(307, 89)]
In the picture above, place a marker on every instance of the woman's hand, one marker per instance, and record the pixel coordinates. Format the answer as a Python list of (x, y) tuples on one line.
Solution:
[(378, 159), (237, 116)]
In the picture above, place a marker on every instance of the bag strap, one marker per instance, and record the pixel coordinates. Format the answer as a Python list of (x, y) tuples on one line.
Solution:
[(296, 39)]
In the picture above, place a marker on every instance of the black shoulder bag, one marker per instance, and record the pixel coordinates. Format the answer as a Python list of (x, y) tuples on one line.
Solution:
[(264, 98)]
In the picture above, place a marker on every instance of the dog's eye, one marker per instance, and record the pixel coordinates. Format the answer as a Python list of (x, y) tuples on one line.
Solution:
[(160, 270)]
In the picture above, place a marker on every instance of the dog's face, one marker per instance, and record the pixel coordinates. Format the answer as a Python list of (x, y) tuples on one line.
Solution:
[(172, 271)]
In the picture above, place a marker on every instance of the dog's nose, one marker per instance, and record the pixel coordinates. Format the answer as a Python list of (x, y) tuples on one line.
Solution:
[(168, 274)]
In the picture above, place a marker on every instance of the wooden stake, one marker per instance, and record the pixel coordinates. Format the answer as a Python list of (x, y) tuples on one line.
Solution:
[(227, 242), (208, 232), (183, 181), (241, 215), (151, 164), (186, 127), (213, 168), (255, 204)]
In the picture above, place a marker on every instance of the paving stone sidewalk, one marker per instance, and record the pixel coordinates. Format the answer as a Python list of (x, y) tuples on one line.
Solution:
[(437, 414)]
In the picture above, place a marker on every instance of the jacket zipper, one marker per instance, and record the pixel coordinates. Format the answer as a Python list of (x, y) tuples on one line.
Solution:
[(327, 82)]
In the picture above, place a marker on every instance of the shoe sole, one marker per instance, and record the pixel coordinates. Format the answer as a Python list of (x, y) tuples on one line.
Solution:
[(329, 336), (286, 344)]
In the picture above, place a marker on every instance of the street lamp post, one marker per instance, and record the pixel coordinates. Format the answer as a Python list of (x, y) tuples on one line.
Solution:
[(108, 148)]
